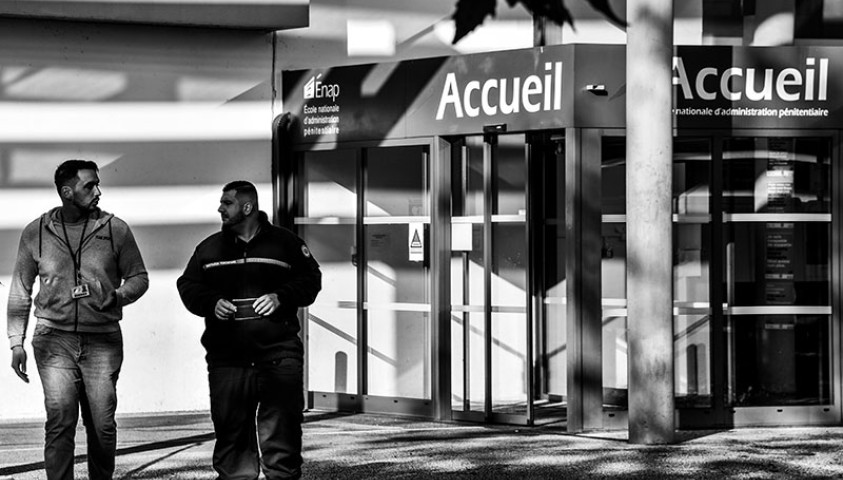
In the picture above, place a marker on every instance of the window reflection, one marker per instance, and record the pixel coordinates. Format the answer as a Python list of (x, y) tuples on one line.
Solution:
[(777, 269), (329, 184), (776, 175), (691, 194)]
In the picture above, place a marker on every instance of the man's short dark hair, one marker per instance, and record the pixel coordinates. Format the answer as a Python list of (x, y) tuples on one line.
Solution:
[(244, 188), (66, 172)]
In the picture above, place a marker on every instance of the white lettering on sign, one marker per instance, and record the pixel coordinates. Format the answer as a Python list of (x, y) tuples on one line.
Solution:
[(788, 84), (502, 95), (316, 89)]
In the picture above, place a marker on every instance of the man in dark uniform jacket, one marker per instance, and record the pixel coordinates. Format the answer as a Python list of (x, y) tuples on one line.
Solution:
[(248, 282)]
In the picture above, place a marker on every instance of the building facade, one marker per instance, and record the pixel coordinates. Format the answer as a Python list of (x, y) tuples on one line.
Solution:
[(466, 201), (467, 208)]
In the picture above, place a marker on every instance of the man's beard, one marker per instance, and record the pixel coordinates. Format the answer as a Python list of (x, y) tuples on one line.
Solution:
[(232, 221), (85, 208)]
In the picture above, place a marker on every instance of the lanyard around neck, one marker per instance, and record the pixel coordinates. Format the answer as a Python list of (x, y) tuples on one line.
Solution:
[(77, 255)]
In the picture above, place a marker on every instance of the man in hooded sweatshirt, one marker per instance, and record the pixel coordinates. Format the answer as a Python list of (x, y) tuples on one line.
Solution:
[(89, 267)]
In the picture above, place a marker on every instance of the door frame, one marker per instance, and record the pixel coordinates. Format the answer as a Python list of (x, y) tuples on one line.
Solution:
[(289, 199), (489, 176)]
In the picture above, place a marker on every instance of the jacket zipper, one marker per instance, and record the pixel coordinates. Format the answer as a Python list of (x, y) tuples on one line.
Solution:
[(76, 274)]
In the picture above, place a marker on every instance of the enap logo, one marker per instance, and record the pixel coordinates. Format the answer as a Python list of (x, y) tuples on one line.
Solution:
[(314, 88)]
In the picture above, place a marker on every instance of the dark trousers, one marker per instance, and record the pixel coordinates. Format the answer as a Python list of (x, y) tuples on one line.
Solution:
[(79, 371), (257, 415)]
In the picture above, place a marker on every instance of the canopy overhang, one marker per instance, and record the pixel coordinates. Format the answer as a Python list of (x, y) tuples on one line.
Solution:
[(267, 15)]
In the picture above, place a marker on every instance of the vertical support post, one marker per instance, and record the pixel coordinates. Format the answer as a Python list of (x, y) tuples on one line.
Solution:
[(490, 143), (584, 310), (362, 287), (573, 248), (440, 268), (649, 221)]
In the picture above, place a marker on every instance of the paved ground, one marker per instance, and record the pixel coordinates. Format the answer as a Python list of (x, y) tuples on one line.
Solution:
[(374, 447)]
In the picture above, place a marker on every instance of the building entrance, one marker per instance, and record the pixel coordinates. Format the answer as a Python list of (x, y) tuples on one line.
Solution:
[(371, 337), (473, 236)]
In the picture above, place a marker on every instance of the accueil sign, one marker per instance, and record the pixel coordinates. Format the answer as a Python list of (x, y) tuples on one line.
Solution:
[(505, 95), (734, 91), (789, 89), (736, 83)]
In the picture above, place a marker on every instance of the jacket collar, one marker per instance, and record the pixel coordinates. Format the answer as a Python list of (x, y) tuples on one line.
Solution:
[(263, 224), (100, 218)]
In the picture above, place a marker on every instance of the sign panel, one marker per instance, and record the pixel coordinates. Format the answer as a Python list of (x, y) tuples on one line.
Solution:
[(521, 89), (548, 88), (781, 87), (415, 241), (516, 90), (346, 103)]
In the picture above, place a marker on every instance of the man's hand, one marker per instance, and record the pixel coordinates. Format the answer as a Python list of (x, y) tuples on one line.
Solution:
[(111, 302), (19, 362), (266, 304), (224, 310)]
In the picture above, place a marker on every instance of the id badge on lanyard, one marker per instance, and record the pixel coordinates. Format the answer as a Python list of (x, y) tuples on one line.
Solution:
[(81, 290)]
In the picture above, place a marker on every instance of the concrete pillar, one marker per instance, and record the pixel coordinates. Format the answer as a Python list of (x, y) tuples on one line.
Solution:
[(649, 155)]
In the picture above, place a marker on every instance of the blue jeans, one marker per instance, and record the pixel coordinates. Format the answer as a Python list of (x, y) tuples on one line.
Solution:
[(78, 370), (257, 415)]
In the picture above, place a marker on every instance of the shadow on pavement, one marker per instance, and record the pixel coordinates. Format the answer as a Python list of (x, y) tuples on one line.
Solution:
[(177, 442)]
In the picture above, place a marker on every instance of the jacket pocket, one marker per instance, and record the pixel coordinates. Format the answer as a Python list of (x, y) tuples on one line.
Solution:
[(53, 300), (103, 298)]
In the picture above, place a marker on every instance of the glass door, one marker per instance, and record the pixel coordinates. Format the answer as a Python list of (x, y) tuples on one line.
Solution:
[(777, 277), (328, 187), (547, 194), (365, 214), (396, 264), (492, 350), (755, 333)]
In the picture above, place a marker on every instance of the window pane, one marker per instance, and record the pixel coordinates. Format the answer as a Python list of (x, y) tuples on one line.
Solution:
[(778, 263), (776, 175), (330, 191), (780, 360), (397, 292), (396, 182), (613, 176), (511, 181)]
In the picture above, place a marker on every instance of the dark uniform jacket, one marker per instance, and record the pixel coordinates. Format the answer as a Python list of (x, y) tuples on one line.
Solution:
[(223, 266)]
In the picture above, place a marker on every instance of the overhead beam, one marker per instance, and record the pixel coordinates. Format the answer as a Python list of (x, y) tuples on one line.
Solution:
[(266, 15)]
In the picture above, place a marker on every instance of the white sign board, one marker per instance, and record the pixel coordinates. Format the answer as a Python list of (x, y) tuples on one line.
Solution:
[(415, 240)]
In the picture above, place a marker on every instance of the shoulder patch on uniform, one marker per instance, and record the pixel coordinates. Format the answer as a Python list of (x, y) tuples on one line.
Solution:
[(305, 251)]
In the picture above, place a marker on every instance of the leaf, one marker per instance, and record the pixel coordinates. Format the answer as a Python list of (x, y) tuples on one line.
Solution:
[(554, 10), (469, 14), (603, 7)]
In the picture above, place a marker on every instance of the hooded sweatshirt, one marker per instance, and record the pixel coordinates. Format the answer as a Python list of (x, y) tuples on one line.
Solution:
[(109, 264)]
